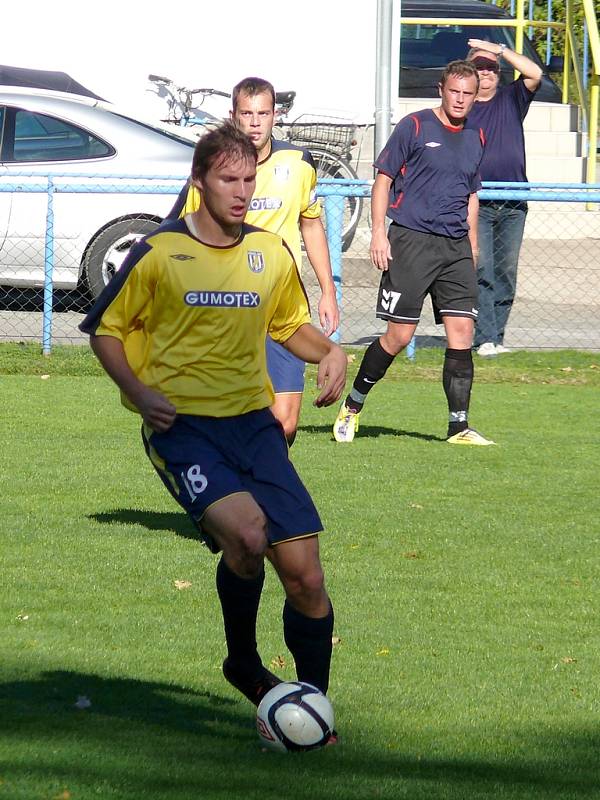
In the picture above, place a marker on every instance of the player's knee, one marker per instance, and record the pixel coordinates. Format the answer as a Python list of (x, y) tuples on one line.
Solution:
[(395, 341), (460, 334), (247, 548), (306, 584)]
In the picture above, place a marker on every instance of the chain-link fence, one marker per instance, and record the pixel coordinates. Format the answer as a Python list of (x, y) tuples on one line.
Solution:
[(557, 299), (61, 240), (64, 244)]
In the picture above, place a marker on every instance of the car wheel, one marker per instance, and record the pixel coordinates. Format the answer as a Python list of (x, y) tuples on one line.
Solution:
[(107, 251)]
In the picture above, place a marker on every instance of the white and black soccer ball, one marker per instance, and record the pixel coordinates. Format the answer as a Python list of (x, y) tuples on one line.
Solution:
[(294, 716)]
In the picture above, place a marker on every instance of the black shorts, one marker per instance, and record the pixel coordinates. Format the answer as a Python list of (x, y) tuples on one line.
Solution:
[(424, 263)]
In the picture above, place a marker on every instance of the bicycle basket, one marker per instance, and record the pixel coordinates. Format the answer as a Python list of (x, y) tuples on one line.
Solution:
[(332, 134)]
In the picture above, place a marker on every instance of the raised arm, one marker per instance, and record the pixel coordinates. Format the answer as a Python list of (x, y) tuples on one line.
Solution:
[(531, 72)]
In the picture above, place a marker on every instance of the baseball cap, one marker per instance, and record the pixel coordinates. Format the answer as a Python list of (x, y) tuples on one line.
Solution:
[(481, 63)]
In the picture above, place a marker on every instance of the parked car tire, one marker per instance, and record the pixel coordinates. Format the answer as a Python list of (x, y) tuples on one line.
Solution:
[(107, 251)]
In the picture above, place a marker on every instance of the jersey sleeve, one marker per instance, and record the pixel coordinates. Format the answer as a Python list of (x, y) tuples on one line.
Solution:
[(188, 201), (476, 183), (311, 205), (398, 148), (521, 96), (291, 309), (127, 301)]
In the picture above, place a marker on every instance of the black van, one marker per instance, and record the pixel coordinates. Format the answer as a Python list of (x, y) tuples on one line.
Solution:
[(426, 49)]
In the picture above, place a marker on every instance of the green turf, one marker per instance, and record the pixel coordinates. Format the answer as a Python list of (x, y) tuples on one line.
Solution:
[(464, 582)]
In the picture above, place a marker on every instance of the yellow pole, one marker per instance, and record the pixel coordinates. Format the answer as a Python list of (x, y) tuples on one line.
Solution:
[(520, 17), (520, 26), (567, 69), (594, 39), (593, 129)]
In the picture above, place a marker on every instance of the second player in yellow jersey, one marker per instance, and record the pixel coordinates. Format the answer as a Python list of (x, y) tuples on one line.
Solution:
[(284, 202), (285, 191)]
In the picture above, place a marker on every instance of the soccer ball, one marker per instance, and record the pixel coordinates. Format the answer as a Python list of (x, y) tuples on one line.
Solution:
[(294, 716)]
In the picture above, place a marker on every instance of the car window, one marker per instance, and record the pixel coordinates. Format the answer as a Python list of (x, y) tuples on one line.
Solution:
[(39, 137), (164, 129), (436, 45), (425, 49), (428, 46)]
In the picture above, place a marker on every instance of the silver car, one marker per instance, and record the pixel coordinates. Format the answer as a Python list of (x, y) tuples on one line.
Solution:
[(76, 138)]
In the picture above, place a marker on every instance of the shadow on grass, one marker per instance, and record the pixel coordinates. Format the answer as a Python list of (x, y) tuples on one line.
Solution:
[(158, 740), (120, 698), (374, 432), (177, 522)]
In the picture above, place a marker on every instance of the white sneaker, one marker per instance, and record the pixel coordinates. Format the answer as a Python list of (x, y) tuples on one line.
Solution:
[(500, 349), (487, 349)]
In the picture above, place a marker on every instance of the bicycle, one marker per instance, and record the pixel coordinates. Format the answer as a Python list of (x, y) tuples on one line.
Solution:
[(182, 110), (329, 140)]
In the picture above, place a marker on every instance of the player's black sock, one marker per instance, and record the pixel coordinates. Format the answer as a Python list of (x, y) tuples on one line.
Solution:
[(458, 380), (240, 598), (373, 367), (309, 641)]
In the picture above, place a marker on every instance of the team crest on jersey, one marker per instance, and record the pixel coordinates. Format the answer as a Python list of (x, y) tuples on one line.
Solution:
[(256, 261), (281, 172)]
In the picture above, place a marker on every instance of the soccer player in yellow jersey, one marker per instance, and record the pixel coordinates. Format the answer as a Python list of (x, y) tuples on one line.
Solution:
[(181, 330), (284, 202)]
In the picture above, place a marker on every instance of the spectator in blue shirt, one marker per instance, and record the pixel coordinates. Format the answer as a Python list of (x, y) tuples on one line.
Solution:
[(500, 111)]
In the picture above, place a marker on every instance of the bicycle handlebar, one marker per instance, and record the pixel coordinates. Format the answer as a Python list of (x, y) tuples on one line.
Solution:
[(207, 92), (184, 89)]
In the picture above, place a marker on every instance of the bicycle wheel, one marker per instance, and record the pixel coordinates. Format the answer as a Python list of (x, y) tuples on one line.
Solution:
[(329, 165)]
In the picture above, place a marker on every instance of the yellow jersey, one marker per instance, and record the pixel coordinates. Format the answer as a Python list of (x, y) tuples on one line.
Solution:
[(193, 318), (286, 183)]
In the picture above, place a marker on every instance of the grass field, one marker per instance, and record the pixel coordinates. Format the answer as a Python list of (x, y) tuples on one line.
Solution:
[(465, 583)]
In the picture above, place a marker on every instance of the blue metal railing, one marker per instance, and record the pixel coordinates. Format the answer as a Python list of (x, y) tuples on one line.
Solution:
[(334, 191), (492, 190)]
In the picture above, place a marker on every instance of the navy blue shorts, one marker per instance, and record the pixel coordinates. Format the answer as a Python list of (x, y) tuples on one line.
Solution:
[(202, 460), (285, 369)]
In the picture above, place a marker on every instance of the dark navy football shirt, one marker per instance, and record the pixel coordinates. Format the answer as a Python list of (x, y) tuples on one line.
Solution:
[(502, 120), (434, 169)]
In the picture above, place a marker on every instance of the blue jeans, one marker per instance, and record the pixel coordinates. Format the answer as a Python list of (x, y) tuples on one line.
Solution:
[(501, 225)]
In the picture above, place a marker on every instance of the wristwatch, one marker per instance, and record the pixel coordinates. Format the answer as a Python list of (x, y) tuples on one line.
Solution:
[(502, 49)]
